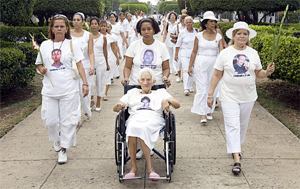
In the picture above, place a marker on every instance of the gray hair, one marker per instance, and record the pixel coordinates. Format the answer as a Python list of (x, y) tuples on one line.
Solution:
[(146, 70)]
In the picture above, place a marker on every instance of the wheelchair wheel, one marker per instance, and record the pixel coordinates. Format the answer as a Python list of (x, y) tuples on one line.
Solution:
[(173, 138), (118, 146)]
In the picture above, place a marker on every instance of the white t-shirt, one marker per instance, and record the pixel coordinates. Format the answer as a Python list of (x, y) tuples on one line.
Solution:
[(238, 81), (59, 79), (186, 42), (150, 56), (138, 102), (83, 43)]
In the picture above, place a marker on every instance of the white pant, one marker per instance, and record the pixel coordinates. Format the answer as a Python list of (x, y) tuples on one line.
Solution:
[(187, 80), (101, 79), (86, 101), (61, 116), (236, 120), (173, 64), (202, 74)]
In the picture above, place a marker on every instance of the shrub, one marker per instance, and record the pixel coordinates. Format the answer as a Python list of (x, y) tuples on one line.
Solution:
[(288, 59), (12, 69), (9, 33), (16, 12), (131, 7)]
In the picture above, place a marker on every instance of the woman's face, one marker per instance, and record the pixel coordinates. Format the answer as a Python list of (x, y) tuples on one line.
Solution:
[(94, 25), (241, 37), (112, 18), (109, 28), (59, 28), (188, 23), (147, 30), (103, 28), (211, 24), (146, 81), (172, 18), (77, 21)]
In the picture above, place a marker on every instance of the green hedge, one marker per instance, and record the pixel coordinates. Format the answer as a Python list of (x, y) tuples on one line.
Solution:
[(9, 33), (288, 60), (14, 72), (132, 7)]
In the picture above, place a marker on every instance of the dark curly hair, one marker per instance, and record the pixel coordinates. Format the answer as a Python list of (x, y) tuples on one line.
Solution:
[(153, 23)]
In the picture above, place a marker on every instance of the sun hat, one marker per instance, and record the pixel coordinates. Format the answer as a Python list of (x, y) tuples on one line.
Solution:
[(209, 15), (241, 25)]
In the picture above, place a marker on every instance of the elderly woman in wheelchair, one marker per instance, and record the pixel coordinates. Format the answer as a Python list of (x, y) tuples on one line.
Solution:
[(145, 107)]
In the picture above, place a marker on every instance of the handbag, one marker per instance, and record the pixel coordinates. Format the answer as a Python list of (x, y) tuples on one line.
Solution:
[(74, 65)]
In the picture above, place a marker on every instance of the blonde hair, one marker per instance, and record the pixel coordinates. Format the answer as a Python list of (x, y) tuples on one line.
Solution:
[(188, 18), (231, 42)]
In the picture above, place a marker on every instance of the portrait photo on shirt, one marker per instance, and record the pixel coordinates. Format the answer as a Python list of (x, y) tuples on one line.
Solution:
[(56, 56), (145, 103), (241, 65), (148, 59)]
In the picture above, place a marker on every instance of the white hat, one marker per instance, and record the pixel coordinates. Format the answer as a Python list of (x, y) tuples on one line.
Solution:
[(241, 25), (209, 15)]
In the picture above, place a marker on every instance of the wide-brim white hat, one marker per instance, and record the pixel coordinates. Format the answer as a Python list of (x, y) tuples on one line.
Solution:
[(209, 15), (239, 26)]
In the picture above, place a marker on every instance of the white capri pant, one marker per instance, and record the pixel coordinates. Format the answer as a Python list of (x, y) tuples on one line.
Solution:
[(86, 101), (236, 120), (187, 79), (202, 74), (173, 64), (61, 116), (101, 79)]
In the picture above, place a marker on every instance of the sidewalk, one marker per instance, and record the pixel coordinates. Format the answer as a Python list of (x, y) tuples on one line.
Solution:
[(271, 155)]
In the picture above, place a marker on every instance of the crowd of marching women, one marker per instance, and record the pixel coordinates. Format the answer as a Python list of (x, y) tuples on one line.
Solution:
[(79, 63)]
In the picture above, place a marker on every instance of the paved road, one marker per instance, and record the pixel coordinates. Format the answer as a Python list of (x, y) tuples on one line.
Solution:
[(271, 154)]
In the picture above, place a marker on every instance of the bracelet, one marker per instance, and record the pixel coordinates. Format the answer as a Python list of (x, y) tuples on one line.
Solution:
[(84, 84)]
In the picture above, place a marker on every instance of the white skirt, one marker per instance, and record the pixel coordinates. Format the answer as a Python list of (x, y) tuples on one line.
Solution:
[(145, 124)]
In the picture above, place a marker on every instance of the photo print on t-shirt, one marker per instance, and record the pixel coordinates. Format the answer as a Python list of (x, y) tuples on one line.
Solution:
[(145, 103), (148, 59), (241, 65), (56, 56)]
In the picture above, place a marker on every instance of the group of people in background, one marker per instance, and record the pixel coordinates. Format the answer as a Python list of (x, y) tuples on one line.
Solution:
[(199, 58)]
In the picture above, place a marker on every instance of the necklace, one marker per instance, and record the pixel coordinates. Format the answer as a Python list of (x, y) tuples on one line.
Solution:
[(59, 46)]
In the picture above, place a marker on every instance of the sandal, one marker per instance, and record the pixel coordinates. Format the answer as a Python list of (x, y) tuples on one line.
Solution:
[(236, 170), (154, 176), (130, 176)]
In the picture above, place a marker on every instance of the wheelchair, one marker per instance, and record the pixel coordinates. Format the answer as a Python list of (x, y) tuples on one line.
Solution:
[(169, 137)]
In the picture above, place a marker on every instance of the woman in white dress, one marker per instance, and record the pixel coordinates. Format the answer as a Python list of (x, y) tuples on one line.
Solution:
[(146, 118), (84, 40), (101, 58), (184, 47), (207, 46), (170, 35)]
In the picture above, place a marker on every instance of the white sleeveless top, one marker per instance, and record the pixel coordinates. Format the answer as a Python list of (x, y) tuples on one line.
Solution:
[(98, 50), (83, 43), (206, 47)]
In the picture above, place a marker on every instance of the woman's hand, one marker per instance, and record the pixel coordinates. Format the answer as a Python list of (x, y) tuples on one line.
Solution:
[(125, 82), (270, 69), (92, 70), (190, 71), (120, 106), (166, 81), (210, 101), (118, 61), (107, 67), (85, 89), (165, 105), (41, 69), (176, 58)]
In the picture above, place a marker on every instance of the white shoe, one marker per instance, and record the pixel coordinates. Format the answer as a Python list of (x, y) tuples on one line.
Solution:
[(62, 156), (209, 117), (178, 80), (191, 90), (98, 109), (186, 92), (203, 121), (139, 155), (56, 146)]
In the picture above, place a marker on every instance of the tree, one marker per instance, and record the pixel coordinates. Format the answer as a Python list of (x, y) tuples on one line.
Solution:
[(167, 6), (16, 12), (247, 10), (47, 8)]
